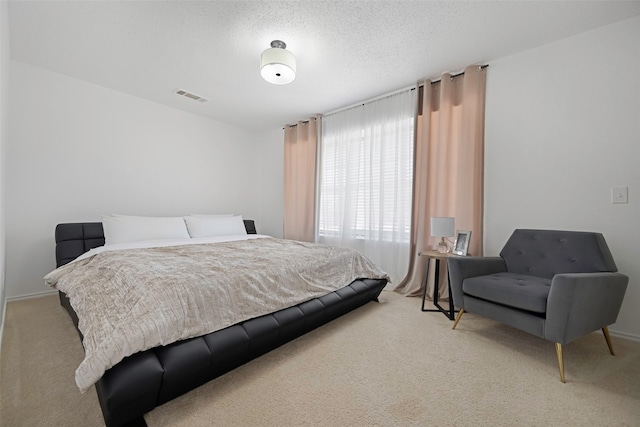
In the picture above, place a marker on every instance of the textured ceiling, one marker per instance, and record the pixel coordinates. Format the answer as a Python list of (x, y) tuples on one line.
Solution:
[(346, 52)]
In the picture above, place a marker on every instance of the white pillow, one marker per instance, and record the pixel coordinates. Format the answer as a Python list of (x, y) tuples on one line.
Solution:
[(123, 228), (209, 226), (213, 215)]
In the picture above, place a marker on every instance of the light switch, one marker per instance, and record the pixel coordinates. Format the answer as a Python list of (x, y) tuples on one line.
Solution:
[(619, 194)]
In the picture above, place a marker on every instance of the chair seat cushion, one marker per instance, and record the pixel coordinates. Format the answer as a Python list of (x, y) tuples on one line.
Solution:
[(514, 290)]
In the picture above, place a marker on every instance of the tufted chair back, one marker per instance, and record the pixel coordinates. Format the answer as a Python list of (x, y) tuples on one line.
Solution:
[(545, 253)]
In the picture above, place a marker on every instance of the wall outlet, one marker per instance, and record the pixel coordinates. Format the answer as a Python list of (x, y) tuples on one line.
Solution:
[(619, 194)]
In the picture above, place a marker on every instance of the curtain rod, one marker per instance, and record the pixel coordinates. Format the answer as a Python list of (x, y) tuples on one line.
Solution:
[(357, 104), (482, 67), (391, 94), (296, 124)]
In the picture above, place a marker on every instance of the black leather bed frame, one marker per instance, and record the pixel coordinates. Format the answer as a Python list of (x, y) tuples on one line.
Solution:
[(150, 378)]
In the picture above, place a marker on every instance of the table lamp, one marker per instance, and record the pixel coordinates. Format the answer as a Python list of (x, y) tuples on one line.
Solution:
[(442, 227)]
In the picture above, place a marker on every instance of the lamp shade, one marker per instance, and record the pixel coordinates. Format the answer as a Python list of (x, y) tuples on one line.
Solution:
[(442, 226), (278, 65)]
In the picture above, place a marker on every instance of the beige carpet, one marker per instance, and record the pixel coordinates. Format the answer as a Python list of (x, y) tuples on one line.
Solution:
[(385, 364)]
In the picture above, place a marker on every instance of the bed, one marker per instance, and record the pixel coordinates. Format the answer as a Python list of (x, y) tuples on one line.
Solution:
[(146, 379)]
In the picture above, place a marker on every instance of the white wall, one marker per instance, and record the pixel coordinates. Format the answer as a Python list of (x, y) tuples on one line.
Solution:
[(77, 151), (4, 107), (271, 184), (562, 128)]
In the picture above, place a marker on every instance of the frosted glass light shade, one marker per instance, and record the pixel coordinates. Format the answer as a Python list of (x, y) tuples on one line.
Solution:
[(278, 65), (443, 226)]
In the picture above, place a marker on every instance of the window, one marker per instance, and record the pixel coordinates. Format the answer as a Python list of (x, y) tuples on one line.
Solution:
[(366, 180)]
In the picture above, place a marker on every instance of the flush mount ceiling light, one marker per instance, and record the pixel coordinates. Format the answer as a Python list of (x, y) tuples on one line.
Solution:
[(278, 65)]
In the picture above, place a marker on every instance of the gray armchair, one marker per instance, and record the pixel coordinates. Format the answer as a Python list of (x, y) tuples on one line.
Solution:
[(557, 285)]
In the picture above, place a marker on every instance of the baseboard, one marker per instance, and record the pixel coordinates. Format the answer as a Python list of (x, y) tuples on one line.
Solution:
[(35, 295), (4, 313), (624, 335), (21, 297), (6, 300)]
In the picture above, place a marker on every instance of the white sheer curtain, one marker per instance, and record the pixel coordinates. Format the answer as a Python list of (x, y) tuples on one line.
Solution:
[(366, 176)]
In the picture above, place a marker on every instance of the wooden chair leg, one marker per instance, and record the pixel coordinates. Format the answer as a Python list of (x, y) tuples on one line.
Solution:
[(457, 318), (560, 360), (607, 337)]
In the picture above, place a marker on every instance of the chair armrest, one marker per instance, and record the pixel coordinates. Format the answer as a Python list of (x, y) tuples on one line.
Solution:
[(461, 268), (580, 303)]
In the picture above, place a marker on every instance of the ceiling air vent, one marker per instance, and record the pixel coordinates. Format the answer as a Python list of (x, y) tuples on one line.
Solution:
[(193, 96)]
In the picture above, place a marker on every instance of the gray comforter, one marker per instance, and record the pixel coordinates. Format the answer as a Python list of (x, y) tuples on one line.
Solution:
[(135, 299)]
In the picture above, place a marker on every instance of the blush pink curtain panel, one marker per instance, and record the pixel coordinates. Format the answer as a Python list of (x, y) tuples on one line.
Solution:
[(300, 154), (448, 169)]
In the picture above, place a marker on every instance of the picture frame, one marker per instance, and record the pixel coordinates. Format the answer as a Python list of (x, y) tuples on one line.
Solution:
[(461, 245)]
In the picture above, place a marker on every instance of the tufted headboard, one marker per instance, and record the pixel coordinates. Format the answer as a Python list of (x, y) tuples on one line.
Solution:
[(544, 253), (74, 239)]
